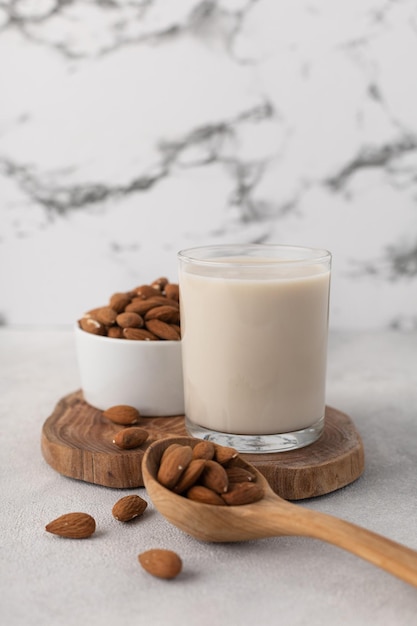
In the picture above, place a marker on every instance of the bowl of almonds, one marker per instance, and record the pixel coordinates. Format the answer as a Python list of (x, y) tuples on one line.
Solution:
[(129, 350)]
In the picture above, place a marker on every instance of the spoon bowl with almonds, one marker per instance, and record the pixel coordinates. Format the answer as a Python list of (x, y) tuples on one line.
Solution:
[(267, 515)]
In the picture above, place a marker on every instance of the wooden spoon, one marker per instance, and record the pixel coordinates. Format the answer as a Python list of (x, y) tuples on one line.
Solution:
[(270, 517)]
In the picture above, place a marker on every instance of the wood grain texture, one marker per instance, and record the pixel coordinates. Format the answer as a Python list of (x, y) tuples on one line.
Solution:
[(77, 441), (270, 516)]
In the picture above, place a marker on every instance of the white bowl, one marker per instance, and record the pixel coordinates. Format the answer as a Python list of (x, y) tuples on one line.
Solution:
[(143, 374)]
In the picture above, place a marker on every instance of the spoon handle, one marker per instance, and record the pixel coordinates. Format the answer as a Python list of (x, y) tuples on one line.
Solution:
[(389, 555)]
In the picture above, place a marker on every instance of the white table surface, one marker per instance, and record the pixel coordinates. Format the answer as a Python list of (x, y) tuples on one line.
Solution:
[(47, 580)]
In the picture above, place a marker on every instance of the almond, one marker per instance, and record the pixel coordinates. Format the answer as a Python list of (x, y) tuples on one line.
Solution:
[(145, 291), (138, 334), (173, 464), (190, 475), (224, 454), (119, 302), (202, 494), (171, 302), (129, 320), (161, 563), (237, 474), (122, 414), (165, 313), (106, 315), (91, 325), (177, 329), (92, 312), (72, 525), (131, 437), (128, 508), (168, 450), (160, 283), (172, 291), (204, 450), (163, 330), (138, 305), (243, 493), (214, 477), (115, 332)]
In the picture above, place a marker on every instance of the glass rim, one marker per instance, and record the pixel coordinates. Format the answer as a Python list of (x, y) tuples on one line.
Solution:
[(306, 254)]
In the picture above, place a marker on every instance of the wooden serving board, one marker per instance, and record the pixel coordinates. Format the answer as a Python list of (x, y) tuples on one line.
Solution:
[(77, 441)]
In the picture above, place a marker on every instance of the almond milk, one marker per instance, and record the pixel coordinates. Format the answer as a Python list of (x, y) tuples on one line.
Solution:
[(254, 345)]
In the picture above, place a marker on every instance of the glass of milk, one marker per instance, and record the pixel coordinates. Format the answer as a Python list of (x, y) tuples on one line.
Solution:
[(254, 323)]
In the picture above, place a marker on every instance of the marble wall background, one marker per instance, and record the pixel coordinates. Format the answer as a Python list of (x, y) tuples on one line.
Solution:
[(132, 128)]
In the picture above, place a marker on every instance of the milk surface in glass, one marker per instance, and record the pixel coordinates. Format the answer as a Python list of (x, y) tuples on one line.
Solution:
[(254, 346)]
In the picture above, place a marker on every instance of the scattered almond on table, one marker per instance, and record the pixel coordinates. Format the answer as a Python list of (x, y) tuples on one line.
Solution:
[(129, 507), (205, 472), (72, 525), (145, 313), (161, 563)]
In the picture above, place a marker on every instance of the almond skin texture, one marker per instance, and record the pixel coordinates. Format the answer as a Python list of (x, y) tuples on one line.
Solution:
[(202, 494), (243, 493), (190, 475), (171, 302), (129, 507), (115, 332), (176, 328), (239, 475), (119, 302), (122, 414), (161, 563), (173, 465), (130, 438), (172, 291), (92, 326), (145, 291), (140, 306), (204, 450), (169, 449), (129, 320), (93, 312), (160, 283), (224, 454), (163, 330), (72, 525), (215, 477), (164, 313), (106, 315), (138, 334)]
